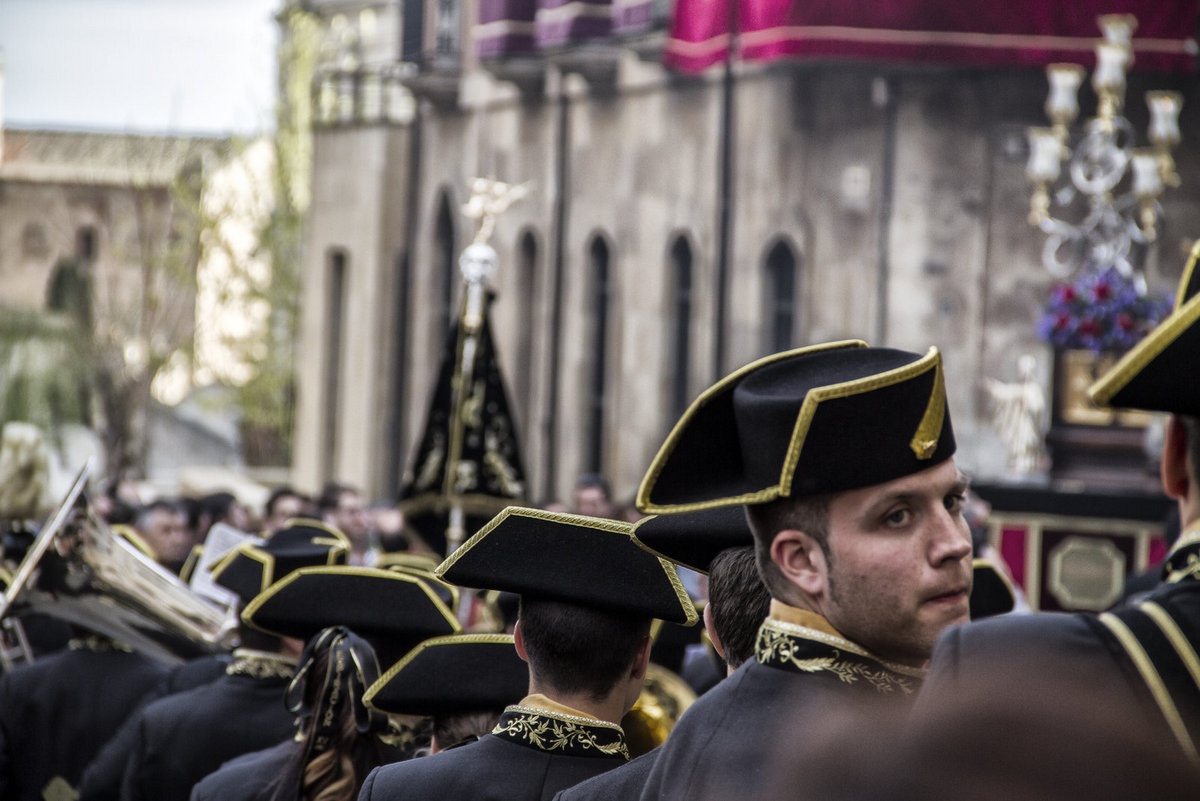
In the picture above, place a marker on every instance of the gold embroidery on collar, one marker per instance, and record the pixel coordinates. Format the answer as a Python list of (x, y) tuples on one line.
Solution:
[(94, 642), (553, 731), (260, 665), (1183, 560), (782, 645)]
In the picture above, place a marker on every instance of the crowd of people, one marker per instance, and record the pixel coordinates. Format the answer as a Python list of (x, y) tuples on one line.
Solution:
[(806, 513)]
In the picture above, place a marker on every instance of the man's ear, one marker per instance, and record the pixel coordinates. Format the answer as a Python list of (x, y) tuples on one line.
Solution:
[(519, 642), (641, 663), (800, 558), (1174, 467), (712, 630)]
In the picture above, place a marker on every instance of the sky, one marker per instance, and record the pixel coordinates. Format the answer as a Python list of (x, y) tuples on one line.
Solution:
[(147, 66)]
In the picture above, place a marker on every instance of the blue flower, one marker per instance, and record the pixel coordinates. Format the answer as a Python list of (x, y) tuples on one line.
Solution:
[(1100, 311)]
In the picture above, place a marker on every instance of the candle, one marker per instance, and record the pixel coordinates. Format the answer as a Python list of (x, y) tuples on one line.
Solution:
[(1062, 104), (1044, 149), (1164, 117), (1147, 182)]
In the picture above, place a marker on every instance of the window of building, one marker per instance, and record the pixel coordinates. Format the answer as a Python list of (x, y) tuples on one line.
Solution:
[(527, 304), (337, 267), (86, 244), (780, 301), (599, 297), (680, 334), (447, 267), (394, 456)]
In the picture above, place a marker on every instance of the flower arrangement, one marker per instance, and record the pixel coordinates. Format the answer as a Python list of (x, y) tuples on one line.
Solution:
[(1100, 311)]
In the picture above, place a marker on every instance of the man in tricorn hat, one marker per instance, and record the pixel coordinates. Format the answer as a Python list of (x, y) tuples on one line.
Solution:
[(347, 616), (842, 455), (588, 595), (170, 744), (709, 541), (1145, 651)]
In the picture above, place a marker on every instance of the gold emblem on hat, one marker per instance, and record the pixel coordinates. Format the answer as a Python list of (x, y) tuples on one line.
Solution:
[(925, 440)]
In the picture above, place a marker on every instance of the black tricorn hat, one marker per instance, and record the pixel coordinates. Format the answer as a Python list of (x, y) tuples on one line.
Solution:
[(590, 561), (1158, 374), (447, 675), (392, 610), (991, 591), (693, 539), (824, 418), (249, 568), (444, 590)]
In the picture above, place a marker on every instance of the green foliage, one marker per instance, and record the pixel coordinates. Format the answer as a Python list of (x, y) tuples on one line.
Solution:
[(268, 399), (43, 373)]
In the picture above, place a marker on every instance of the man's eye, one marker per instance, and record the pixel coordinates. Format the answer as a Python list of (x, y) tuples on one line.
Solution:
[(897, 518), (954, 503)]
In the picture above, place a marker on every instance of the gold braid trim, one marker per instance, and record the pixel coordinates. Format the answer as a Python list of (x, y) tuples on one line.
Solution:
[(555, 731), (97, 643), (260, 665), (791, 647)]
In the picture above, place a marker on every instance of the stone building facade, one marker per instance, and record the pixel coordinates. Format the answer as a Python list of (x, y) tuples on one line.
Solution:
[(656, 250)]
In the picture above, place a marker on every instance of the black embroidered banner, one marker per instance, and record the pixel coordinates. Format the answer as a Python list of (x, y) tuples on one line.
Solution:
[(469, 457)]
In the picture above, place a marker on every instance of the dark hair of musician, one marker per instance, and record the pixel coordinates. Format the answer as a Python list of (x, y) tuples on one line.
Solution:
[(463, 727), (809, 514), (739, 602), (576, 649)]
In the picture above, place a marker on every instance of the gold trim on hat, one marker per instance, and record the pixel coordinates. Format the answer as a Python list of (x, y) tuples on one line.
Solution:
[(265, 559), (432, 642), (1143, 353), (1188, 270), (642, 500), (859, 386), (925, 440), (343, 570), (580, 521)]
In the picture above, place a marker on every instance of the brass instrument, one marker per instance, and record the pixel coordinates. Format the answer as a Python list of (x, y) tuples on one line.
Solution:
[(79, 571), (664, 698)]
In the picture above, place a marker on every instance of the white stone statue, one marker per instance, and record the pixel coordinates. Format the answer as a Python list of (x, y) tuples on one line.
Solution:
[(1020, 416)]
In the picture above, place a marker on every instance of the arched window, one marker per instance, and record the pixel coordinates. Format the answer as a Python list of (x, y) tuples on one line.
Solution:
[(86, 245), (598, 299), (394, 455), (446, 261), (780, 301), (680, 334), (336, 266), (527, 275)]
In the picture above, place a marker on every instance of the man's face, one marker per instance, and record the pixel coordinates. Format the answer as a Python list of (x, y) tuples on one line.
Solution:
[(899, 569), (351, 518), (593, 502), (167, 534), (286, 507)]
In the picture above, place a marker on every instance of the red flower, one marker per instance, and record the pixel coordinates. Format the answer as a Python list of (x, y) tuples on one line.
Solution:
[(1125, 322), (1061, 320), (1102, 290), (1089, 327), (1064, 293)]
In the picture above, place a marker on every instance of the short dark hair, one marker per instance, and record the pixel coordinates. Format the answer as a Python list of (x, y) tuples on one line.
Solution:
[(331, 494), (285, 491), (739, 602), (460, 727), (594, 480), (161, 505), (577, 649), (809, 514)]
